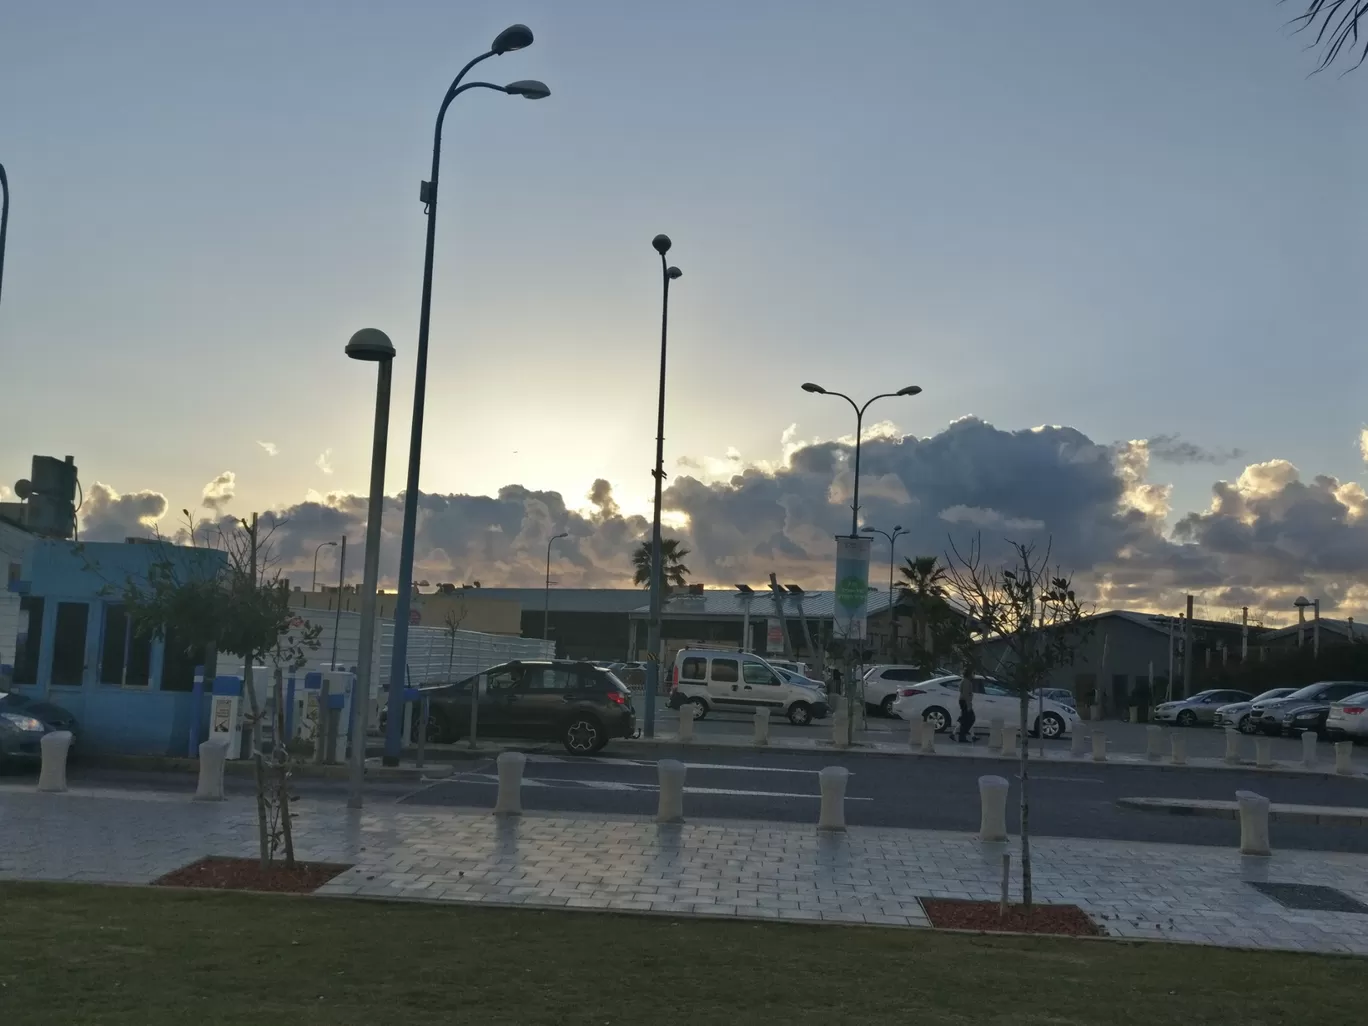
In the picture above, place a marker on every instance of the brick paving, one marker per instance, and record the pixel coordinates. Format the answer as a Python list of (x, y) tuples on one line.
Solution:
[(747, 870)]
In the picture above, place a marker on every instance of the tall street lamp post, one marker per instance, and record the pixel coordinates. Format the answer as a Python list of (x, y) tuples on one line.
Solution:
[(372, 346), (321, 545), (1301, 604), (892, 559), (546, 604), (515, 37), (661, 244), (4, 221)]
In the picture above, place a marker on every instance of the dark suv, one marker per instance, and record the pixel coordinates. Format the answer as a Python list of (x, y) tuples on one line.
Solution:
[(583, 705)]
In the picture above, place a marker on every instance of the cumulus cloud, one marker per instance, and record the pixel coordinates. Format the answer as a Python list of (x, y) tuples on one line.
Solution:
[(270, 448), (219, 492), (324, 461), (1363, 444), (1266, 536), (108, 516)]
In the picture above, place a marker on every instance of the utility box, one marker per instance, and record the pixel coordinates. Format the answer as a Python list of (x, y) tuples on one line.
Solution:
[(225, 713)]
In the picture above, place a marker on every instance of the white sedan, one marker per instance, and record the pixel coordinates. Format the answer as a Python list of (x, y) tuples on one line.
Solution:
[(1348, 718), (937, 702)]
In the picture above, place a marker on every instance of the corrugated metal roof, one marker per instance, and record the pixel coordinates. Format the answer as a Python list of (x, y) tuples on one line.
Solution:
[(1327, 623), (570, 600)]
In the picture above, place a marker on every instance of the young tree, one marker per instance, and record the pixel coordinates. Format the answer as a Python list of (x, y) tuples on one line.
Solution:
[(924, 584), (240, 605), (673, 570), (1030, 610)]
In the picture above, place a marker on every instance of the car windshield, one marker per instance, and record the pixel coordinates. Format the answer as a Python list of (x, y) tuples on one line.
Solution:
[(1307, 692), (613, 678), (1360, 698), (1268, 696)]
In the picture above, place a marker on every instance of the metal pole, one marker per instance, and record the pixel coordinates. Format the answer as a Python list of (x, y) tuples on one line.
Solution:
[(360, 705), (4, 219), (546, 604), (1315, 629), (855, 499), (1187, 651), (313, 584), (337, 615), (1244, 633), (661, 244)]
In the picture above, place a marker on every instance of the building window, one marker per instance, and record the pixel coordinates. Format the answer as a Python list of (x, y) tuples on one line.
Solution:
[(69, 644), (29, 640), (125, 655), (178, 663)]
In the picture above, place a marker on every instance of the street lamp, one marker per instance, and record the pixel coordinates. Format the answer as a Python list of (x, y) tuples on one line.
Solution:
[(372, 346), (4, 220), (661, 244), (546, 606), (892, 557), (1301, 603), (859, 426), (515, 37), (313, 587)]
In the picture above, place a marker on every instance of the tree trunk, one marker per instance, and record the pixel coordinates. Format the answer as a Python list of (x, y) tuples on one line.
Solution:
[(1025, 801), (248, 686), (282, 769)]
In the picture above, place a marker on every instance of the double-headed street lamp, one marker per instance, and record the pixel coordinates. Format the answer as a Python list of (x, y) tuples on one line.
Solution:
[(372, 346), (546, 604), (892, 559), (313, 587), (515, 37), (661, 244), (859, 428)]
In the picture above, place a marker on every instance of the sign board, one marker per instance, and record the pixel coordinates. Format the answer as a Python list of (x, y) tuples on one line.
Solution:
[(415, 617), (852, 587), (225, 721), (774, 635)]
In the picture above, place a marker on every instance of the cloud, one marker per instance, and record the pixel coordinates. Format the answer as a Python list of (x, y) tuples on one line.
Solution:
[(323, 462), (270, 447), (219, 492), (1172, 449), (108, 516), (1363, 444), (988, 519)]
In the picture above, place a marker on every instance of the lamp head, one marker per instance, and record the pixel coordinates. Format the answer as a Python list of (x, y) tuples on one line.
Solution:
[(563, 534), (897, 527), (673, 273), (814, 389), (528, 88), (370, 344), (1302, 602), (515, 37), (662, 244), (910, 390)]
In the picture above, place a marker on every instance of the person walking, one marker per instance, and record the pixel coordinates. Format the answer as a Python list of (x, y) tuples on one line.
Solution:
[(966, 704)]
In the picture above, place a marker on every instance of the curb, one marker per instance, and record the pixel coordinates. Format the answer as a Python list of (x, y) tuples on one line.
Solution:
[(1317, 814), (246, 767)]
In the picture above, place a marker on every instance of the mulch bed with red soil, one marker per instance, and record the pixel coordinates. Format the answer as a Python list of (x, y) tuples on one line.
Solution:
[(1069, 920), (247, 875)]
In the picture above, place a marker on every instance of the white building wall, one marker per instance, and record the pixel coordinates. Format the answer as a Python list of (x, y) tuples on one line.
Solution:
[(14, 544)]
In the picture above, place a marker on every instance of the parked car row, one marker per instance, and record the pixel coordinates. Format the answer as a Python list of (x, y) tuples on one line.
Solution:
[(1279, 712), (1306, 709)]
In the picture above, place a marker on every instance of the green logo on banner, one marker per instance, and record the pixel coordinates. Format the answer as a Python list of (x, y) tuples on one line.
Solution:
[(851, 592)]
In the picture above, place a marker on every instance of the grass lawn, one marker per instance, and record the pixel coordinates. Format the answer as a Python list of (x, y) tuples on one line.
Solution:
[(96, 955)]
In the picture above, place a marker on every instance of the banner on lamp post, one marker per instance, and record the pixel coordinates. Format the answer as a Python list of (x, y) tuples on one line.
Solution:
[(852, 587), (774, 637)]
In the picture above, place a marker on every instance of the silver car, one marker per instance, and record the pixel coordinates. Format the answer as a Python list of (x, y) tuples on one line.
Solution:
[(1236, 714), (1200, 708)]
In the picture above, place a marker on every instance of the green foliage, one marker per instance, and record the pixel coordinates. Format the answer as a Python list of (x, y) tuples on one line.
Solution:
[(672, 554), (936, 627), (1288, 668)]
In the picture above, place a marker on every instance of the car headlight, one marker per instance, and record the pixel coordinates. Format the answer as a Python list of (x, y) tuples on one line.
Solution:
[(20, 722), (1309, 715)]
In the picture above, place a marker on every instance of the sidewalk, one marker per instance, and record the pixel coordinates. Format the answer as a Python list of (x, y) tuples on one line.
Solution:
[(746, 870)]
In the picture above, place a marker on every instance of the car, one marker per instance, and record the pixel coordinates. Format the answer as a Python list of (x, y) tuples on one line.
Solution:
[(1348, 718), (936, 701), (1309, 716), (727, 680), (1061, 695), (798, 678), (1268, 716), (583, 705), (1198, 709), (24, 721), (1236, 714), (788, 664), (882, 683)]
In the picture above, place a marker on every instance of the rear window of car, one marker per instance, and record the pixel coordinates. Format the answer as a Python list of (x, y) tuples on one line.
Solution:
[(901, 673), (694, 668), (725, 671)]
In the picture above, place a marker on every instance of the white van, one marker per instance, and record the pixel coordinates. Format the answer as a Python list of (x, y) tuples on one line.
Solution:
[(728, 680)]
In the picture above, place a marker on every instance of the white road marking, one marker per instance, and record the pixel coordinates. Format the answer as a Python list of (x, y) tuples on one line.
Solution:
[(615, 785), (647, 764), (756, 794)]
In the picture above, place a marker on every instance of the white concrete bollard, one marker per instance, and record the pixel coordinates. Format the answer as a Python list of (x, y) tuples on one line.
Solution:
[(832, 781), (686, 722), (1154, 742), (928, 745), (1099, 745), (993, 806), (1009, 742), (671, 774), (762, 718), (54, 746), (1263, 752), (1309, 749), (1179, 750), (995, 734), (914, 733), (838, 724), (1253, 823), (1232, 752), (509, 802), (1078, 742), (1344, 756), (213, 755)]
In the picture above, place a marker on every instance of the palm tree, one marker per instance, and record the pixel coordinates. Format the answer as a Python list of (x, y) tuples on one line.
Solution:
[(1336, 27), (671, 559), (925, 584)]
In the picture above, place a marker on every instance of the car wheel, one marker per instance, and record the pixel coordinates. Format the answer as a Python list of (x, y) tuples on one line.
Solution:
[(938, 718), (1187, 718), (1050, 726), (800, 714), (886, 707), (584, 735), (700, 708), (1246, 725)]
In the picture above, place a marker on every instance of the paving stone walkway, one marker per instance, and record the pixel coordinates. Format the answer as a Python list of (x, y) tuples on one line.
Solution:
[(754, 870)]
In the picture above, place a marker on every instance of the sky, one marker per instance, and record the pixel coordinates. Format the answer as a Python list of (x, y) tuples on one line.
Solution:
[(1128, 222)]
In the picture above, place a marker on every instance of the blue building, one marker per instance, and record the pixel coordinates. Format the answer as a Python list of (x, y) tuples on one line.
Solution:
[(75, 644)]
